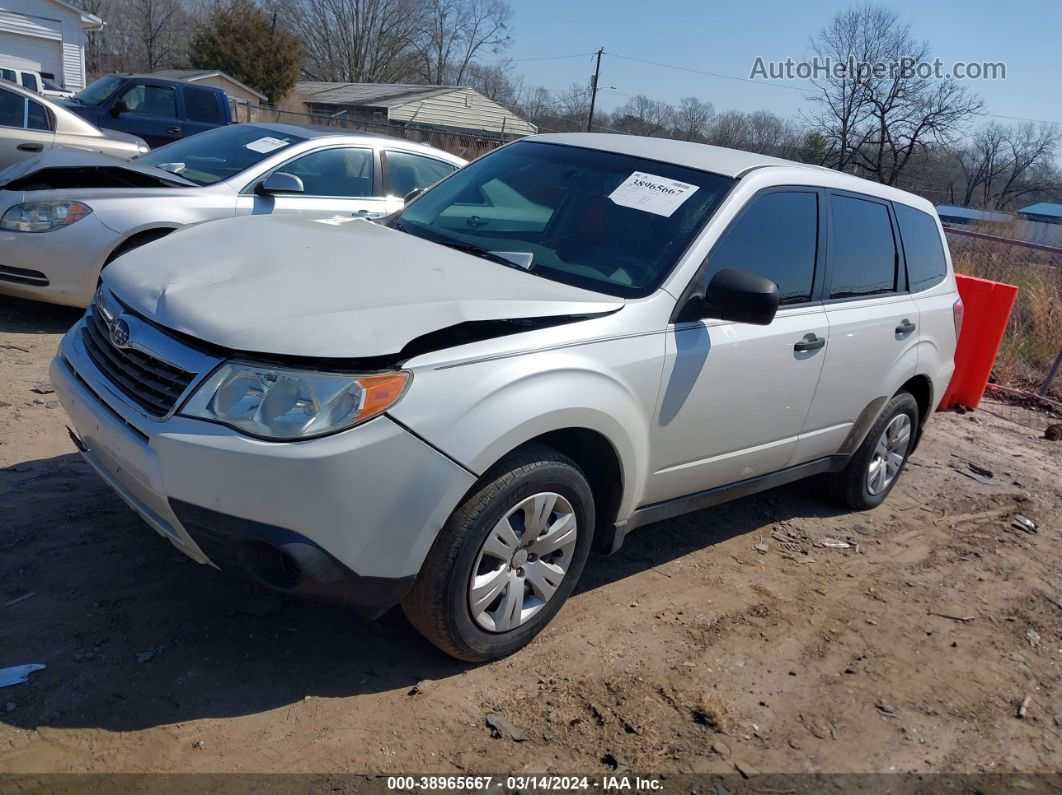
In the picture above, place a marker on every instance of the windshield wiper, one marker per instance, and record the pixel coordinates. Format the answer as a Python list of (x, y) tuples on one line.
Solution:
[(456, 245), (478, 251)]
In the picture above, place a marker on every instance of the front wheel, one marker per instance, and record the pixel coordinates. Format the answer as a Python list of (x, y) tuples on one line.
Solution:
[(507, 559), (875, 467)]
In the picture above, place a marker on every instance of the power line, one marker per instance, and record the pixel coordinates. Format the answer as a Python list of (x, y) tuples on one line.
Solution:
[(789, 87), (711, 74), (542, 58)]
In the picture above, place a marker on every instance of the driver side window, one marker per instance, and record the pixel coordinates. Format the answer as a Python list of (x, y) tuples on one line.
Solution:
[(775, 236)]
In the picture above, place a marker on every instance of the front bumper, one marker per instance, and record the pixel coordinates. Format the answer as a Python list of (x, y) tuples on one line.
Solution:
[(61, 266), (357, 510)]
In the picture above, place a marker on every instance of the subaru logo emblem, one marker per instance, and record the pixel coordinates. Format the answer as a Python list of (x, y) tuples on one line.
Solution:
[(120, 332)]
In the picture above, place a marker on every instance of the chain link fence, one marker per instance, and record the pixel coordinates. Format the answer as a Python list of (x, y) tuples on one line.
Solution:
[(466, 145)]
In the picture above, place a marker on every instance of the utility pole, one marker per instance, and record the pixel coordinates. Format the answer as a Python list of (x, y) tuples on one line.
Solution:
[(593, 89)]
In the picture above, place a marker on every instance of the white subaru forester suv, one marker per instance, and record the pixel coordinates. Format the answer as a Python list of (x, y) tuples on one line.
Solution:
[(569, 338)]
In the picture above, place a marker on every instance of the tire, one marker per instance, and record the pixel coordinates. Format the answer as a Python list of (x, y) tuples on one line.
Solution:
[(485, 528), (855, 486)]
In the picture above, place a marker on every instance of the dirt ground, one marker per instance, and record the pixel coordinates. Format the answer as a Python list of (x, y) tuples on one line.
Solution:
[(730, 638)]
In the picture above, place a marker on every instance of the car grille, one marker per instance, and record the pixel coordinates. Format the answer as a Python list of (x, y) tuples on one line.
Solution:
[(150, 383)]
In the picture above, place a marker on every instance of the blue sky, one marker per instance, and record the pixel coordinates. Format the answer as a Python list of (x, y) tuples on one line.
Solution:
[(727, 37)]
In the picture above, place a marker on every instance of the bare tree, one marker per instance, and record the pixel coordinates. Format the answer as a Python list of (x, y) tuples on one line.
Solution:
[(496, 82), (841, 106), (690, 119), (357, 41), (641, 115), (455, 33), (1004, 163), (879, 110)]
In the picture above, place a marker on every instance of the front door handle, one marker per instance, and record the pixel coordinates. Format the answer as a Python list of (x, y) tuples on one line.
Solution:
[(30, 147), (173, 130), (809, 343), (905, 328)]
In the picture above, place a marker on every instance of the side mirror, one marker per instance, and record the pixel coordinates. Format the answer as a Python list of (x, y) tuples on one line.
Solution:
[(742, 297), (279, 183), (412, 195), (118, 108)]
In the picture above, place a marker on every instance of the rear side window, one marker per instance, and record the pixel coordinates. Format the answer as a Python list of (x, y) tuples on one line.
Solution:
[(30, 81), (201, 105), (922, 248), (38, 117), (8, 74), (406, 172), (862, 250), (776, 237)]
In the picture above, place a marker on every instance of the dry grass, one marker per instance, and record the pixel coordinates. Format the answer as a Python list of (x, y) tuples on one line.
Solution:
[(1034, 334)]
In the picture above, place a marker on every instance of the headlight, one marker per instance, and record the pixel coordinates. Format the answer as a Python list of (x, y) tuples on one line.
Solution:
[(285, 404), (43, 216)]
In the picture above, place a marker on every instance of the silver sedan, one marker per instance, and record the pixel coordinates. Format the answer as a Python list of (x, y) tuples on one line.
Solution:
[(67, 214), (31, 124)]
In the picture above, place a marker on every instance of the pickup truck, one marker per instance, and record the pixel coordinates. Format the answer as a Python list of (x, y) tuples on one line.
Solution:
[(159, 111)]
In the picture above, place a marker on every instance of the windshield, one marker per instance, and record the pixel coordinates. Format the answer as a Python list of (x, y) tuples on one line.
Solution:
[(600, 220), (220, 153), (99, 90)]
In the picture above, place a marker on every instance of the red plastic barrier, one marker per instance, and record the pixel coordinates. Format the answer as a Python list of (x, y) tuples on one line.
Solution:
[(987, 308)]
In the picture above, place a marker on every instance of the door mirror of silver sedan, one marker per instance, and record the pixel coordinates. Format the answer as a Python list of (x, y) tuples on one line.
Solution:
[(279, 183), (412, 195), (742, 297)]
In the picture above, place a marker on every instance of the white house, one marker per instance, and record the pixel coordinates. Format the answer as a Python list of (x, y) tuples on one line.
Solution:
[(46, 36), (452, 108)]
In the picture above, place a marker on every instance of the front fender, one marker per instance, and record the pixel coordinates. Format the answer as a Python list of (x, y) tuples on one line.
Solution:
[(476, 413)]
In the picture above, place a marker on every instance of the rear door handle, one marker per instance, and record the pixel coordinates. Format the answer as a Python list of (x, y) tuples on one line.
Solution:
[(809, 343), (173, 130), (905, 327), (30, 147)]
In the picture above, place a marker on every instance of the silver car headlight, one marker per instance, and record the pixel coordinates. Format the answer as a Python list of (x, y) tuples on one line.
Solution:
[(286, 404), (43, 216)]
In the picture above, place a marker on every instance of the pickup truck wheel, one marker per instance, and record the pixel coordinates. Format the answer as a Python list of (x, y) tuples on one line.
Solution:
[(507, 559), (876, 466)]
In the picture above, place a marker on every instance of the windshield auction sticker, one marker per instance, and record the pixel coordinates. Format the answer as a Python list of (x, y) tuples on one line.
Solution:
[(652, 194), (265, 145)]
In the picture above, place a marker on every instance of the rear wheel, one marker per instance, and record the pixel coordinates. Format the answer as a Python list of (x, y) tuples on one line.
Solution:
[(507, 559), (876, 466)]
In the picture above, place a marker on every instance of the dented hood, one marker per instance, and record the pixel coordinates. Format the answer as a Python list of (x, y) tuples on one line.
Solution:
[(68, 157), (332, 287)]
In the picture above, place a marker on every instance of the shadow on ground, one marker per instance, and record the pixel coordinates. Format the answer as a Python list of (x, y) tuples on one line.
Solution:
[(135, 635), (19, 316)]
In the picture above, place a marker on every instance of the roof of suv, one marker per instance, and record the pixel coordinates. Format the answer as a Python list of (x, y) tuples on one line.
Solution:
[(717, 159), (733, 163)]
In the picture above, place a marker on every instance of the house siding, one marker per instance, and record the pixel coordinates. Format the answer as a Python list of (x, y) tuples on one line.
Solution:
[(50, 22)]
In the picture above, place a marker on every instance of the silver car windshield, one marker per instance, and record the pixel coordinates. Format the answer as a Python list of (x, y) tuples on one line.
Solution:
[(220, 153), (600, 220)]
